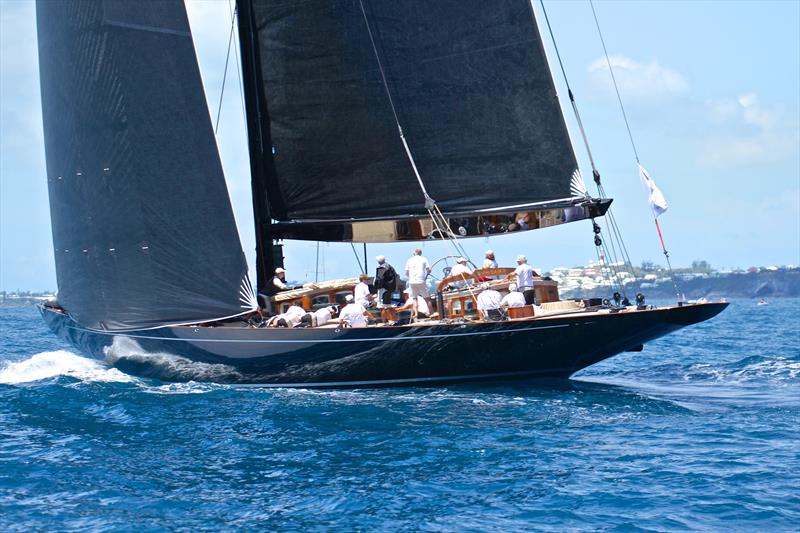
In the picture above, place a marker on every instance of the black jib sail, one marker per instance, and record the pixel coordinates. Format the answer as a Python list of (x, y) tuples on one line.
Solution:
[(472, 90), (143, 230)]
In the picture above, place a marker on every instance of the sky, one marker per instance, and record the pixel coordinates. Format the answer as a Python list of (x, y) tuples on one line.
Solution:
[(711, 90)]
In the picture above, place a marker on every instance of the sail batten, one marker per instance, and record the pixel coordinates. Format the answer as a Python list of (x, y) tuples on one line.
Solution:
[(472, 90), (143, 229)]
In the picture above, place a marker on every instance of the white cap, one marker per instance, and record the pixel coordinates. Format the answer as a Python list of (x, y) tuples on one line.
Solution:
[(461, 260), (348, 298), (522, 259), (279, 270), (489, 252), (512, 287), (380, 259)]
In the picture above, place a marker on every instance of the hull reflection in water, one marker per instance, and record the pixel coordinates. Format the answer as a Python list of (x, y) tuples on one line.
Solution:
[(554, 347)]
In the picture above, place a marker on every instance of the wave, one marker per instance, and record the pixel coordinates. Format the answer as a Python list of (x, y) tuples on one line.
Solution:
[(754, 369), (49, 365), (126, 354)]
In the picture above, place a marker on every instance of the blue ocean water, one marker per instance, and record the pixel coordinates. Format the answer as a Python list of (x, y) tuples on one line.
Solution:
[(701, 431)]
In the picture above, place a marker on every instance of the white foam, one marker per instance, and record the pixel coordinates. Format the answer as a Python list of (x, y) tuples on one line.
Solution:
[(771, 368), (48, 365), (166, 366)]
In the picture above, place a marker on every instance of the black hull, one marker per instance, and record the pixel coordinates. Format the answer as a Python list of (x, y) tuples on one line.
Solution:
[(554, 347)]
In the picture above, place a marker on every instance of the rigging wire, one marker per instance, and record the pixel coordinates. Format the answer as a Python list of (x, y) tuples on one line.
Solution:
[(316, 269), (358, 259), (440, 222), (234, 15), (633, 144), (428, 200), (224, 76), (595, 173), (616, 234), (614, 79)]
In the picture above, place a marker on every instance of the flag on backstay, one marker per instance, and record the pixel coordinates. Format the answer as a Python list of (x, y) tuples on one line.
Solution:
[(658, 204)]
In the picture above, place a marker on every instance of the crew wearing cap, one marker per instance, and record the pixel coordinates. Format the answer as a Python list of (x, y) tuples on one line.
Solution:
[(489, 261), (513, 298), (524, 274), (385, 279), (488, 301), (353, 314), (461, 268), (277, 283)]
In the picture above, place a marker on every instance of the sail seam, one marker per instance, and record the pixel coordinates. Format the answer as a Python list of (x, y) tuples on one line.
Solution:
[(142, 27)]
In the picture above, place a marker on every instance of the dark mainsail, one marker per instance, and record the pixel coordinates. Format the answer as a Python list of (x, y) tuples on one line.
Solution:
[(143, 230), (472, 89)]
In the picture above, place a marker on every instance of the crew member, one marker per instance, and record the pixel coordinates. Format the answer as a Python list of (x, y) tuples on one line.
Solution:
[(524, 274), (324, 315), (417, 270), (423, 311), (488, 301), (361, 292), (277, 283), (462, 271), (513, 298), (353, 314), (386, 279), (289, 318), (461, 268), (489, 261)]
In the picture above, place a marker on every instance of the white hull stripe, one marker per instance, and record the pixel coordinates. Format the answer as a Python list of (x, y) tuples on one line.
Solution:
[(404, 380), (400, 337)]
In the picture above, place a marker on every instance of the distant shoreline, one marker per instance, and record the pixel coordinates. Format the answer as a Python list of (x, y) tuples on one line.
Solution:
[(762, 284)]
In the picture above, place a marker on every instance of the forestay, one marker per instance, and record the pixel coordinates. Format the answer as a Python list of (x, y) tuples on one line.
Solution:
[(143, 230)]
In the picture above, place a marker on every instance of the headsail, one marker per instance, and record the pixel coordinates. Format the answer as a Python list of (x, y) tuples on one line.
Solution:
[(143, 230), (472, 88)]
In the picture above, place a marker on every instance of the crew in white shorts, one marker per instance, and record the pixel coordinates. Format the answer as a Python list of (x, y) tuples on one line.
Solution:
[(417, 270)]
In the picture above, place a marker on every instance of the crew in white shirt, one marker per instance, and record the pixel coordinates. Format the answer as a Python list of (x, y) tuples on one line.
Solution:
[(361, 292), (353, 314), (524, 275), (513, 298), (289, 318), (489, 261), (488, 299), (461, 268), (417, 270), (324, 315), (422, 305)]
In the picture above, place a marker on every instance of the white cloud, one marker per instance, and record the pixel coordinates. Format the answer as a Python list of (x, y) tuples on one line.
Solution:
[(754, 133), (637, 81)]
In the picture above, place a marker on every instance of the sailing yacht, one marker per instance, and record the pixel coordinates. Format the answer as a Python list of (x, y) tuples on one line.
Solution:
[(445, 112)]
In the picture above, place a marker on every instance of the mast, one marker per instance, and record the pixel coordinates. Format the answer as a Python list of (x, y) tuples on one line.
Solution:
[(262, 169)]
